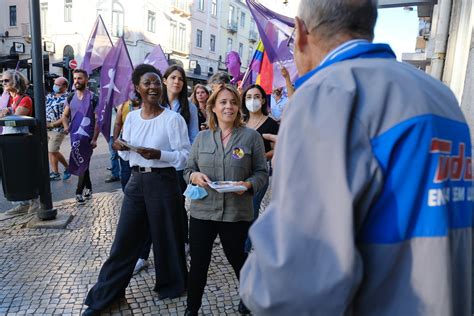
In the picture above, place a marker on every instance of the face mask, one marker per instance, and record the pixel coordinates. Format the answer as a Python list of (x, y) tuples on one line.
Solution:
[(253, 105), (194, 192), (56, 88)]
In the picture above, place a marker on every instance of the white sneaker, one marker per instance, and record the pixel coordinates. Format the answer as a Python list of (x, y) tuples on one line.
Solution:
[(140, 265), (35, 206), (87, 194), (18, 210)]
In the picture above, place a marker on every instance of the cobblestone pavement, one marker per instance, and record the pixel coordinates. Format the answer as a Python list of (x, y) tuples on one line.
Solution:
[(49, 271)]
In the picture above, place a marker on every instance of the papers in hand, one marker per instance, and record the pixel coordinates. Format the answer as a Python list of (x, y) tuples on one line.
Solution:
[(129, 146), (226, 186)]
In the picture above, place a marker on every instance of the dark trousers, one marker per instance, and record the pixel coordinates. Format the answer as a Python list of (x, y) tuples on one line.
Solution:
[(201, 239), (151, 205), (145, 252), (84, 181)]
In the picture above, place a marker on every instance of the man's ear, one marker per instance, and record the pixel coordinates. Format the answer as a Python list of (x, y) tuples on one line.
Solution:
[(301, 34)]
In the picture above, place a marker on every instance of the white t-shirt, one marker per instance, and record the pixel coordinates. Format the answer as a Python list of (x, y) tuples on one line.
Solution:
[(167, 132)]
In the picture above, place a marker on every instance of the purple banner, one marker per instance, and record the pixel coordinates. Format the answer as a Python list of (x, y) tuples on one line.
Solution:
[(115, 84), (157, 59), (275, 31), (98, 46), (82, 130), (4, 99)]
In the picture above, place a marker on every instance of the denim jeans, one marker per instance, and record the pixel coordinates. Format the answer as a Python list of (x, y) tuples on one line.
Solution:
[(125, 172), (114, 159)]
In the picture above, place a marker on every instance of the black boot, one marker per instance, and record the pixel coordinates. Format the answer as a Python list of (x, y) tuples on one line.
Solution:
[(91, 312), (243, 310)]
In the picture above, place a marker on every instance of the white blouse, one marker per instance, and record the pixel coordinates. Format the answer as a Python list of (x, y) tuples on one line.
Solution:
[(167, 132)]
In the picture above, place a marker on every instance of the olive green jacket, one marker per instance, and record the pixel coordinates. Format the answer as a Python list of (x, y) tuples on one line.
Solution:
[(243, 159)]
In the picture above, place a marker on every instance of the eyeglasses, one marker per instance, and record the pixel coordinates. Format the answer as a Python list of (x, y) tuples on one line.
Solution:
[(5, 80)]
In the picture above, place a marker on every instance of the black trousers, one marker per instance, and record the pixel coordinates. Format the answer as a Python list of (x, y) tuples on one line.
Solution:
[(151, 206), (201, 239), (145, 252), (84, 181)]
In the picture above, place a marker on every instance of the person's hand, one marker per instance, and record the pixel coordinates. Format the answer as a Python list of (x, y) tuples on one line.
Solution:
[(248, 185), (284, 72), (94, 143), (270, 137), (66, 131), (199, 179), (149, 153), (117, 145), (4, 112)]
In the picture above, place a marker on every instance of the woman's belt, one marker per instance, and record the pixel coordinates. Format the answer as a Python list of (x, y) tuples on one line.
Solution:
[(151, 169)]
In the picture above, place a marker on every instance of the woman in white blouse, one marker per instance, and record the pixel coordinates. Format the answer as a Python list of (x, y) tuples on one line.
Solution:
[(158, 141)]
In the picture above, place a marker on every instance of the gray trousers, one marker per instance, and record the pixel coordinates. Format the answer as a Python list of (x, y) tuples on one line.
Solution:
[(151, 205)]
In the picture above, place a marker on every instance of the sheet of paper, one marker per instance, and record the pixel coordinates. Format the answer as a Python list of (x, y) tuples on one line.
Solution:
[(129, 146), (226, 186)]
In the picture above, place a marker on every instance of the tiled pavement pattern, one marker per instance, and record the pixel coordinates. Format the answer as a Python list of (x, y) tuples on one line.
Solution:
[(49, 271)]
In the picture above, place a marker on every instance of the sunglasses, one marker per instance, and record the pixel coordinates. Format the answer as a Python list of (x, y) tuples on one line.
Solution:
[(5, 80)]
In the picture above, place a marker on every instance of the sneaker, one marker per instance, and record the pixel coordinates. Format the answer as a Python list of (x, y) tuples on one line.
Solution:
[(141, 264), (87, 193), (18, 210), (112, 179), (80, 199), (54, 176), (66, 175), (34, 206)]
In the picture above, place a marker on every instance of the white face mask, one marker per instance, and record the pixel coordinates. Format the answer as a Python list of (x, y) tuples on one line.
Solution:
[(253, 105)]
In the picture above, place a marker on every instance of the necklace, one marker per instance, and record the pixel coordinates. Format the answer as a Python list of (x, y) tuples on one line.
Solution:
[(258, 123), (227, 135)]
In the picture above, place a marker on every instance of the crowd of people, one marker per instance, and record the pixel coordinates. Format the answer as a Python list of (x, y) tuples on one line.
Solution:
[(354, 226)]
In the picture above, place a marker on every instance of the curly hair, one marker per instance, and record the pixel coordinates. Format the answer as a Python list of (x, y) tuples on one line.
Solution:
[(139, 71), (19, 81)]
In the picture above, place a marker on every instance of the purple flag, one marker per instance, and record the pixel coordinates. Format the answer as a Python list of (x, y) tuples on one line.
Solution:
[(115, 84), (82, 130), (233, 63), (157, 59), (98, 46), (274, 29), (4, 99)]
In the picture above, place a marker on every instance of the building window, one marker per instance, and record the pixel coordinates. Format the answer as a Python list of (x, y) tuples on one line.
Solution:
[(117, 19), (242, 19), (13, 15), (199, 38), (182, 37), (249, 59), (214, 8), (229, 44), (241, 50), (252, 25), (231, 14), (44, 16), (174, 35), (67, 10), (212, 43), (151, 21), (201, 5)]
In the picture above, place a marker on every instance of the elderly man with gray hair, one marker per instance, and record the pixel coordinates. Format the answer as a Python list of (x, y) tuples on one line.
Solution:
[(371, 212)]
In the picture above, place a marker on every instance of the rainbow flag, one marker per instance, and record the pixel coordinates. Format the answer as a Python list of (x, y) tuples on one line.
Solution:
[(259, 71)]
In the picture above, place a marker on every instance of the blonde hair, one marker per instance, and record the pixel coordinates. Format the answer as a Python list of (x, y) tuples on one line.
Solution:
[(211, 103), (193, 96)]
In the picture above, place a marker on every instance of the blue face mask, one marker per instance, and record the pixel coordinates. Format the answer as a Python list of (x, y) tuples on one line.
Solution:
[(194, 192), (56, 88)]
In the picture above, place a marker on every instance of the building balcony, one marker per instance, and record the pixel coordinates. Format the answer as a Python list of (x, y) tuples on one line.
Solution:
[(180, 7), (232, 26), (253, 36)]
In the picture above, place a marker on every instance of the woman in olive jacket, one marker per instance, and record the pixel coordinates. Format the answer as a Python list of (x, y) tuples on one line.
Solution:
[(228, 151)]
